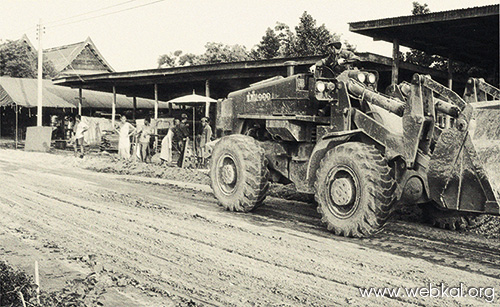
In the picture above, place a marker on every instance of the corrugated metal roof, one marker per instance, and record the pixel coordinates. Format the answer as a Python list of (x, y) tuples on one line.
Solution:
[(62, 56), (23, 92), (457, 14), (470, 35)]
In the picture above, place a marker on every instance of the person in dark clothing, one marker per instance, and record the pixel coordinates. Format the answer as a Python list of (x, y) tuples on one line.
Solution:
[(184, 134), (336, 59), (177, 137)]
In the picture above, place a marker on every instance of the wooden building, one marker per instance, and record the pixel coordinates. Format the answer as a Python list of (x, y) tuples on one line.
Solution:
[(76, 59)]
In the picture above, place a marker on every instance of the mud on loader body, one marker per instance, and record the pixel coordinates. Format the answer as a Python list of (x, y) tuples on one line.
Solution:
[(358, 151)]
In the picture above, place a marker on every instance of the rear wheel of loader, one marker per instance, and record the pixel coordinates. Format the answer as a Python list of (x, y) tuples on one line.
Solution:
[(238, 173), (449, 219), (354, 190)]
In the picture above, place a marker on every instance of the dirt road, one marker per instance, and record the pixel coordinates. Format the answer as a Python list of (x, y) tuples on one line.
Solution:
[(163, 245)]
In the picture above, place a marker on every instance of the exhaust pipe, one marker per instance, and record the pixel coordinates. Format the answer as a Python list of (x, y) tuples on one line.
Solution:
[(290, 68)]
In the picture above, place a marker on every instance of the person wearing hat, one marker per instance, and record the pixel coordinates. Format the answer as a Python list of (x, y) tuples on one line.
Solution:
[(336, 59)]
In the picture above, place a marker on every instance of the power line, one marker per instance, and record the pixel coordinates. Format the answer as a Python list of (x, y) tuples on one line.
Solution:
[(71, 17), (110, 13), (83, 14)]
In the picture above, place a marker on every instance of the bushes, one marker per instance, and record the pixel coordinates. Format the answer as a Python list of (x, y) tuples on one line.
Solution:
[(12, 282)]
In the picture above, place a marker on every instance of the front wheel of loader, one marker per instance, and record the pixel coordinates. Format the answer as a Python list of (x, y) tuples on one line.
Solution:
[(354, 190), (238, 173), (449, 219)]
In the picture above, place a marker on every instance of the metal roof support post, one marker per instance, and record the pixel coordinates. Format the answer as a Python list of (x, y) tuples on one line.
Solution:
[(113, 108), (134, 107), (80, 97), (156, 116), (207, 93), (395, 62)]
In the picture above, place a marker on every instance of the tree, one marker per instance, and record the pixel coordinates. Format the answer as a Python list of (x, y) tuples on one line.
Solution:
[(269, 46), (286, 38), (18, 61), (419, 9), (415, 56), (311, 39), (214, 53), (308, 39), (220, 53)]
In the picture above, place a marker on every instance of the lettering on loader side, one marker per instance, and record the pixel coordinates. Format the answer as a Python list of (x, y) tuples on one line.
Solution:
[(256, 97)]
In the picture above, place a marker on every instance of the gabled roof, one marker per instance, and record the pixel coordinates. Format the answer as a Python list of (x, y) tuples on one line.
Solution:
[(27, 41), (63, 56)]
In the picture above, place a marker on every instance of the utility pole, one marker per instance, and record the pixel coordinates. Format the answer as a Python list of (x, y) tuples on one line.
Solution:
[(40, 67)]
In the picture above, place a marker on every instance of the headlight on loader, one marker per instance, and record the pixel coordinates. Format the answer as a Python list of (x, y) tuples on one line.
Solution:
[(372, 78), (361, 77), (320, 86)]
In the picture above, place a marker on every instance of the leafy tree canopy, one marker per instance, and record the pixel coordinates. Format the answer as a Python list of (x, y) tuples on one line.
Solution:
[(307, 39), (18, 61)]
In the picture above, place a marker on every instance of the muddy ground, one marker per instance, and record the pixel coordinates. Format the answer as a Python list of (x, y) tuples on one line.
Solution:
[(116, 240), (487, 226)]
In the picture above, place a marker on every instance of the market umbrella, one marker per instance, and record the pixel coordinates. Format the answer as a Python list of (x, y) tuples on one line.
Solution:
[(192, 100)]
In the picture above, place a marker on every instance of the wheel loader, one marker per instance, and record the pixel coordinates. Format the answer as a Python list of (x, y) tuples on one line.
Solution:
[(360, 152)]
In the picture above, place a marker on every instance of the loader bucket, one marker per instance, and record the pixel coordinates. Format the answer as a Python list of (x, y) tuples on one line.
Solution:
[(464, 169)]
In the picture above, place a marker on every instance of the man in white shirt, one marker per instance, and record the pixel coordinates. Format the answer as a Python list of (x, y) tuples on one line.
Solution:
[(80, 128)]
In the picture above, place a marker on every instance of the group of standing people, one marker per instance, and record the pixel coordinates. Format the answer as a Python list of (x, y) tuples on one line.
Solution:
[(176, 138), (180, 134), (144, 133)]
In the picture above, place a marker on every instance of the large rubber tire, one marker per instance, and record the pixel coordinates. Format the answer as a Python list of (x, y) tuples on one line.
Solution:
[(354, 190), (238, 173), (449, 219)]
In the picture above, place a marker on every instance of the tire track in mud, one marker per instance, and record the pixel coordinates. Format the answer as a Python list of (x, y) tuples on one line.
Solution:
[(395, 244), (77, 238), (258, 259), (437, 245), (434, 259), (211, 245)]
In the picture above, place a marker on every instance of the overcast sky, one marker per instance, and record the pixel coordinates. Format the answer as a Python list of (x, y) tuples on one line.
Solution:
[(134, 38)]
